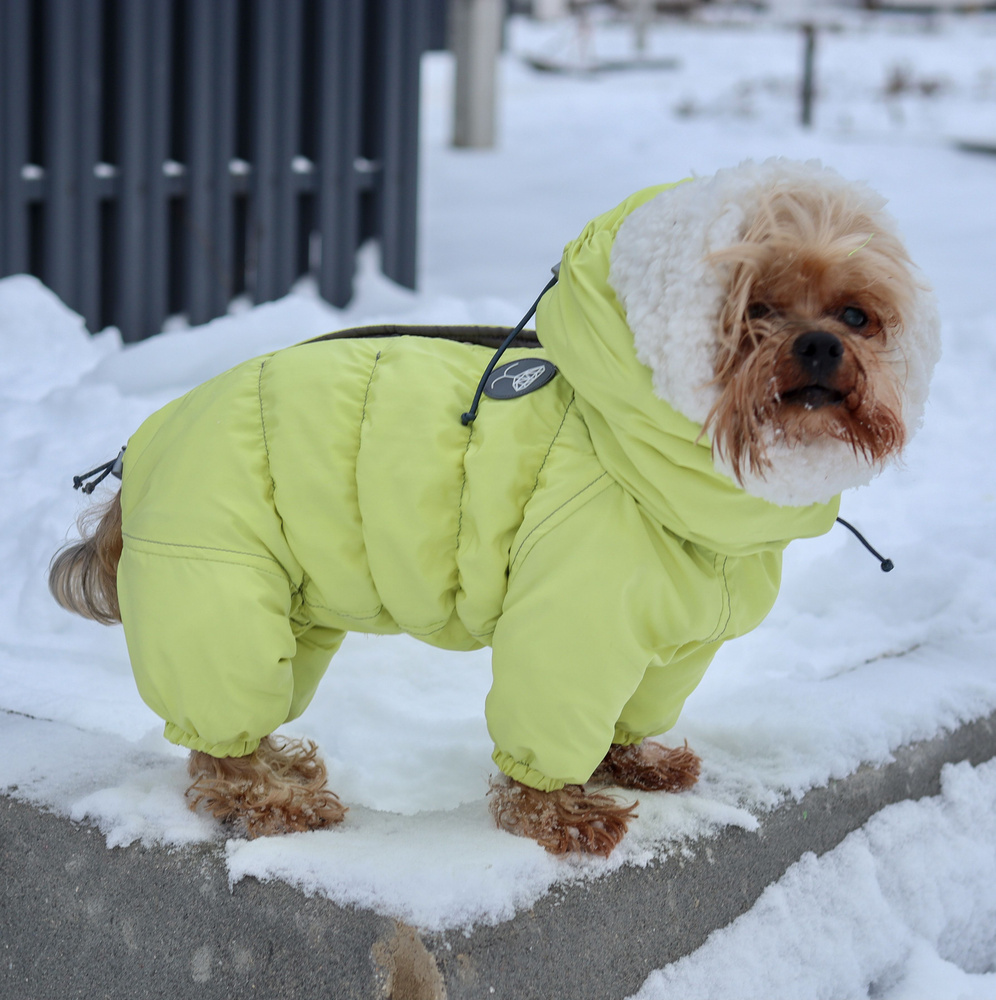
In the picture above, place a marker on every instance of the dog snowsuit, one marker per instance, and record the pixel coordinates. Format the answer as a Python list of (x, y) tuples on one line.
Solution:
[(581, 530)]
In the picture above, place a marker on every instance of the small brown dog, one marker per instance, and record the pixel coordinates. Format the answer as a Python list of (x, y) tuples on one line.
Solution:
[(774, 310)]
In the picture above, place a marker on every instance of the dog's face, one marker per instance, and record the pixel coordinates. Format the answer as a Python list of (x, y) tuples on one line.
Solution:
[(810, 334)]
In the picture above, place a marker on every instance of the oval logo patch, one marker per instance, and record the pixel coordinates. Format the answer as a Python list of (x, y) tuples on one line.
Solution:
[(519, 377)]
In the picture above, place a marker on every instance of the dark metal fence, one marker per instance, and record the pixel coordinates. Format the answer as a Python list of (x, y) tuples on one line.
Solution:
[(166, 156)]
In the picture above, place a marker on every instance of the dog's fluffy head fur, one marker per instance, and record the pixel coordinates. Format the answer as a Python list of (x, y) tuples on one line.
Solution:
[(776, 306)]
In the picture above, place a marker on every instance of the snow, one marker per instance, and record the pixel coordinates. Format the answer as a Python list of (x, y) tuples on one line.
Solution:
[(850, 665), (903, 908)]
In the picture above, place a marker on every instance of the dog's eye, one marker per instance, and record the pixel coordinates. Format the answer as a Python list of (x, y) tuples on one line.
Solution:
[(758, 310), (854, 317)]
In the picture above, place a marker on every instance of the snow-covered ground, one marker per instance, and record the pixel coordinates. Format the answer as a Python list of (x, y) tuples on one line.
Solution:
[(851, 663)]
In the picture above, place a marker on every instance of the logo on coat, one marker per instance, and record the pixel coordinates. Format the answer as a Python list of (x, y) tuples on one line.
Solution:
[(519, 377)]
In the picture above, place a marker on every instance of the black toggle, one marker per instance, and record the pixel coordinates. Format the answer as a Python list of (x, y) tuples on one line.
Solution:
[(111, 468), (887, 565)]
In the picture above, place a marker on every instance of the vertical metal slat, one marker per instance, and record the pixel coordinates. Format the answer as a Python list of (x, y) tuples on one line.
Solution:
[(340, 93), (61, 234), (210, 141), (265, 104), (132, 112), (142, 231), (223, 153), (397, 194), (136, 285), (14, 55), (156, 82), (6, 201), (272, 212), (202, 182), (88, 300), (288, 138)]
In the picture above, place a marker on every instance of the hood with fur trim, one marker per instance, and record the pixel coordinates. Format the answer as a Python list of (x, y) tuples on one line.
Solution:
[(672, 295), (657, 454)]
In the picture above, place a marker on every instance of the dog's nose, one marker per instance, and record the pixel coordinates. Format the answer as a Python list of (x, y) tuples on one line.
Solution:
[(819, 353)]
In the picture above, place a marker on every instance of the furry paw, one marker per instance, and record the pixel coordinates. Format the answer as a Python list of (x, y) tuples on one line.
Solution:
[(567, 821), (649, 767), (280, 788)]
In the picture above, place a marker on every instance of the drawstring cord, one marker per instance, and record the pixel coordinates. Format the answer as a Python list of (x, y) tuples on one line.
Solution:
[(114, 466), (471, 415), (111, 468), (886, 564)]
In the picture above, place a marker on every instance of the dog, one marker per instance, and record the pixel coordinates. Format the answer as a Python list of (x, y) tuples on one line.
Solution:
[(720, 359)]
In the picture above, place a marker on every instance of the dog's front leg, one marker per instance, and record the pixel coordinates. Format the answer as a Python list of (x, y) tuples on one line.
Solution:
[(568, 820)]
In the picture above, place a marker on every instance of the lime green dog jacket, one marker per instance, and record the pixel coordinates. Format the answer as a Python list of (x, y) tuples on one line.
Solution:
[(580, 530)]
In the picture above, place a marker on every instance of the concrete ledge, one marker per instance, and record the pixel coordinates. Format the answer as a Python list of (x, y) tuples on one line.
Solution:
[(78, 920)]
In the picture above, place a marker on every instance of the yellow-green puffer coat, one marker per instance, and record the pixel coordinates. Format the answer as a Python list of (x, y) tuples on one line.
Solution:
[(580, 530)]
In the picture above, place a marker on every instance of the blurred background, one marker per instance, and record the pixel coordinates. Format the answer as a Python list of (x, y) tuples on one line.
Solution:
[(164, 159)]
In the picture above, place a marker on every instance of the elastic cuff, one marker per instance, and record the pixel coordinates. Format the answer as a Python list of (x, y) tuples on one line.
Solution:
[(524, 773), (236, 748), (625, 738)]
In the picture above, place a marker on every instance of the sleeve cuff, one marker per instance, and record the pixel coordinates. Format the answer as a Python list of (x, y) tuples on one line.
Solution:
[(518, 771), (625, 738), (235, 748)]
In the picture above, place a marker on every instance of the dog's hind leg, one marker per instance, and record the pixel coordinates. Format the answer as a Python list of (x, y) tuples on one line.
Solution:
[(650, 767), (223, 653), (279, 788)]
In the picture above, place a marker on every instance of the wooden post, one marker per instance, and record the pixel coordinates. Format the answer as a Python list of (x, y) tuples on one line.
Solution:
[(476, 41), (642, 16), (808, 61)]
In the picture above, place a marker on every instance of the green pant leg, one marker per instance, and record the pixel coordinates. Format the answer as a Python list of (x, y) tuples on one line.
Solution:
[(315, 649), (656, 704), (212, 646)]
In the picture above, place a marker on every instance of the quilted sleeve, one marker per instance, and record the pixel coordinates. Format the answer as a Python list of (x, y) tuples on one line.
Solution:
[(597, 601)]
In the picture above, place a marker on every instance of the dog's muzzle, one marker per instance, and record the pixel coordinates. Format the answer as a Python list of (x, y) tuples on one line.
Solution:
[(819, 355)]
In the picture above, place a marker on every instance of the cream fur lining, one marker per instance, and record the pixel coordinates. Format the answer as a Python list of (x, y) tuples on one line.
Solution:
[(672, 297)]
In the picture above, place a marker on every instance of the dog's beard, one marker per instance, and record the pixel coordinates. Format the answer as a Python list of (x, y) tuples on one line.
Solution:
[(801, 385)]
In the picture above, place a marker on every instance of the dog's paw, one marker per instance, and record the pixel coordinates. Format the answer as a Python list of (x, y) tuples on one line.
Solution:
[(567, 821), (649, 767), (278, 789)]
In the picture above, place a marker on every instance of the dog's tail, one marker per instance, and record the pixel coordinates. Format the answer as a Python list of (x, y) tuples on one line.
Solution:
[(83, 577)]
